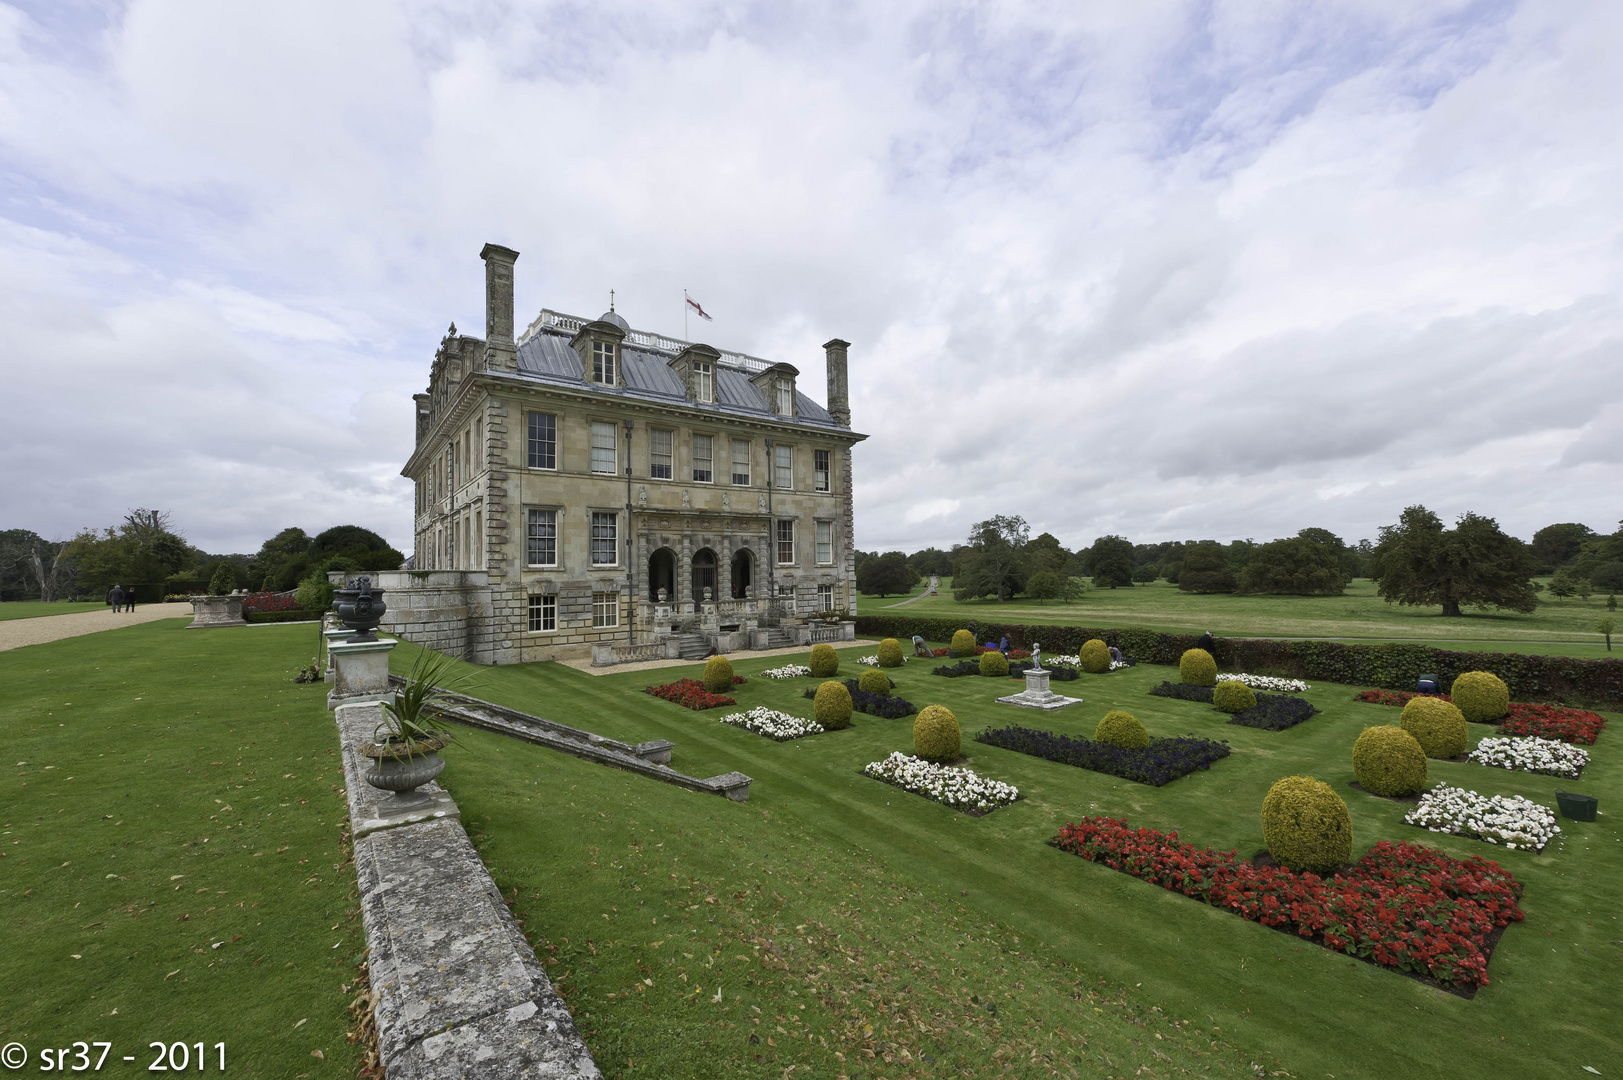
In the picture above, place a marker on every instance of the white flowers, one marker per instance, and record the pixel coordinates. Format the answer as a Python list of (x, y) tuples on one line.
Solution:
[(959, 788), (1076, 661), (871, 661), (787, 671), (773, 724), (1532, 754), (1267, 682), (1502, 819)]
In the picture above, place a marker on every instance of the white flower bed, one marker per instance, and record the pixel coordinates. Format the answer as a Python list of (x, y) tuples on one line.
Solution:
[(1501, 819), (1268, 682), (787, 671), (1532, 754), (773, 724), (871, 661), (1076, 661), (958, 788)]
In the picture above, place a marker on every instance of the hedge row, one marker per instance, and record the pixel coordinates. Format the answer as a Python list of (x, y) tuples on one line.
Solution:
[(1558, 679), (281, 616)]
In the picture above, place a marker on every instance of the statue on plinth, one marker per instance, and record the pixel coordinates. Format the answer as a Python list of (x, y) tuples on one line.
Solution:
[(1037, 656)]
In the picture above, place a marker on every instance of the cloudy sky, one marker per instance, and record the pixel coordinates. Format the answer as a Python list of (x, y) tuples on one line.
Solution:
[(1168, 270)]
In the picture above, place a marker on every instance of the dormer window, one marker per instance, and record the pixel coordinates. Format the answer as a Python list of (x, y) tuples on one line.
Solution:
[(603, 363), (786, 397), (704, 382)]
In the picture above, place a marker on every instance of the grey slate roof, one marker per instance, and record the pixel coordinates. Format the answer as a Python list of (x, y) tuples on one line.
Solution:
[(547, 357)]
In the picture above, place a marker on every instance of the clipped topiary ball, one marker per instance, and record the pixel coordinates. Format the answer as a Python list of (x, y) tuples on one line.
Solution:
[(1481, 697), (1233, 696), (963, 643), (994, 664), (1122, 729), (1389, 761), (1438, 726), (1197, 668), (825, 662), (718, 675), (1095, 657), (832, 706), (936, 736), (890, 653), (1306, 825), (874, 681)]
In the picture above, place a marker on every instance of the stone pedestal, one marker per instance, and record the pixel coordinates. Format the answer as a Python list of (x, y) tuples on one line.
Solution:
[(360, 672), (217, 611), (1037, 695), (334, 635)]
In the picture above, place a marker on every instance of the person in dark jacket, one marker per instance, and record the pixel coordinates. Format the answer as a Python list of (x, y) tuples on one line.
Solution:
[(116, 598), (129, 599), (1206, 642)]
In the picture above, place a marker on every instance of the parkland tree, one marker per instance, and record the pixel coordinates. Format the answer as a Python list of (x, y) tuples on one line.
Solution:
[(1419, 562)]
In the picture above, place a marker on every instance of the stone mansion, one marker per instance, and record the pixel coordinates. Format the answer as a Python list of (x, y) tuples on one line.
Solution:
[(588, 484)]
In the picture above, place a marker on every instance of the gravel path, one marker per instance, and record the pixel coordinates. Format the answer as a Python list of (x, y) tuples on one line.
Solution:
[(585, 664), (16, 633)]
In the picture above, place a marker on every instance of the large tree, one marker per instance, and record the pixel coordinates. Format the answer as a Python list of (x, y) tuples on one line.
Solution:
[(1111, 561), (1557, 545), (1311, 563), (990, 564), (886, 575), (1206, 568), (1420, 562), (280, 550)]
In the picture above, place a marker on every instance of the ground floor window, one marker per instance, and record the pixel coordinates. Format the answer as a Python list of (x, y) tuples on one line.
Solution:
[(825, 598), (543, 613), (605, 609)]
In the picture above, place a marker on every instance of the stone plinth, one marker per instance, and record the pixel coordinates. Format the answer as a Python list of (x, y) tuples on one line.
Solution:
[(360, 672), (1037, 695), (334, 635), (217, 611)]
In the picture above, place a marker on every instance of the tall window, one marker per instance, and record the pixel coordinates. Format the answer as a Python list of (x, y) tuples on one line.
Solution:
[(703, 459), (450, 467), (543, 441), (659, 454), (605, 550), (543, 613), (541, 543), (741, 462), (783, 468), (786, 397), (605, 609), (819, 470), (786, 542), (603, 447), (704, 381), (825, 598), (603, 362), (825, 543)]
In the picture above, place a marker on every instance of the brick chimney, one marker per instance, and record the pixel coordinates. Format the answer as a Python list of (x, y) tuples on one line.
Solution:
[(500, 353), (839, 398)]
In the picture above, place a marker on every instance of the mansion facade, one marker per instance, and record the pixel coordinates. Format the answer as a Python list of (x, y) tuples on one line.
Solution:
[(586, 484)]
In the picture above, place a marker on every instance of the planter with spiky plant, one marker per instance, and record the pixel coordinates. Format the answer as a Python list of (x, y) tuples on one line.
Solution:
[(404, 751)]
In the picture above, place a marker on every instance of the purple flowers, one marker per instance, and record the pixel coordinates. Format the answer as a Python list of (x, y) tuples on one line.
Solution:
[(884, 706), (1162, 762), (1272, 712)]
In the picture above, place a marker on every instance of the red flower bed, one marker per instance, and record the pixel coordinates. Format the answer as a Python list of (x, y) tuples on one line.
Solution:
[(691, 694), (270, 601), (1401, 905), (1545, 721)]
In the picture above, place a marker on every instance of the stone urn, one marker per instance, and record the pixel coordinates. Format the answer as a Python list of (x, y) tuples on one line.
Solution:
[(360, 607), (403, 766)]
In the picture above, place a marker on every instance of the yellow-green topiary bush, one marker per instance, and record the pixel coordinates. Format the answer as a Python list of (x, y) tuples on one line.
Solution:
[(1233, 696), (1122, 729), (1481, 697), (1197, 668), (825, 662), (1095, 657), (936, 736), (1389, 761), (1306, 825), (874, 681), (994, 664), (718, 675), (832, 706), (963, 643), (1438, 726), (890, 653)]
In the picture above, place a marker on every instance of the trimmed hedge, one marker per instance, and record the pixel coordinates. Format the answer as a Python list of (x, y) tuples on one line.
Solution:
[(936, 735), (295, 615), (1396, 666), (1307, 826)]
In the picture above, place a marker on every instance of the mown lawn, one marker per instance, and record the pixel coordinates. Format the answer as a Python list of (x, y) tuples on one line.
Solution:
[(826, 861), (33, 609), (175, 858)]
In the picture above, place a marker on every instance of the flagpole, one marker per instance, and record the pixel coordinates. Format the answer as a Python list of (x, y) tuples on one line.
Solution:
[(684, 315)]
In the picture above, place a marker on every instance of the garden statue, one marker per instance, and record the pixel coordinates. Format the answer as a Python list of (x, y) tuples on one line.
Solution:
[(1036, 656)]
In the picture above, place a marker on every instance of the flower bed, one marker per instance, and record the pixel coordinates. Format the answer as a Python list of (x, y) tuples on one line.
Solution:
[(871, 661), (1546, 721), (1267, 682), (1532, 754), (1056, 672), (1393, 697), (1184, 692), (271, 601), (1403, 906), (690, 694), (1275, 712), (958, 788), (787, 671), (1162, 762), (885, 706), (962, 667), (1499, 819), (777, 726)]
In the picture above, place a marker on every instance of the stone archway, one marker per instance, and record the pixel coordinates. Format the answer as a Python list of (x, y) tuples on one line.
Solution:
[(662, 574), (743, 572), (704, 574)]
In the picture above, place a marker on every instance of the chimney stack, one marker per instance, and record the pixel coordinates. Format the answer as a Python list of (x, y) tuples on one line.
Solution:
[(839, 398), (500, 353)]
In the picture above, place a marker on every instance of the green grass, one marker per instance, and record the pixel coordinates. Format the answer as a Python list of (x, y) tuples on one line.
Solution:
[(166, 790), (33, 609), (817, 841), (1358, 615)]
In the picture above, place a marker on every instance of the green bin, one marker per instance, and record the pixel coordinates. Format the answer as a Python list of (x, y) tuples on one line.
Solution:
[(1577, 807)]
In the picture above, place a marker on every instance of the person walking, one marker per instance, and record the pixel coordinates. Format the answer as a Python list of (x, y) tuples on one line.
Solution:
[(1206, 642), (116, 597), (129, 599)]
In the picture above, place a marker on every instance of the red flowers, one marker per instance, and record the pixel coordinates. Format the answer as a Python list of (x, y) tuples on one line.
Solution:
[(270, 601), (691, 694), (1546, 721), (1401, 905), (1392, 697)]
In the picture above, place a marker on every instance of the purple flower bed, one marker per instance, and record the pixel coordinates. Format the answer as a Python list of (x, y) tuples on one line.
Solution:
[(1184, 692), (1275, 712), (962, 667), (884, 706), (1162, 762), (1056, 672)]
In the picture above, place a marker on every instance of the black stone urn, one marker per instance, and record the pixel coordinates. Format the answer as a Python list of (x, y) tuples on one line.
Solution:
[(360, 607)]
